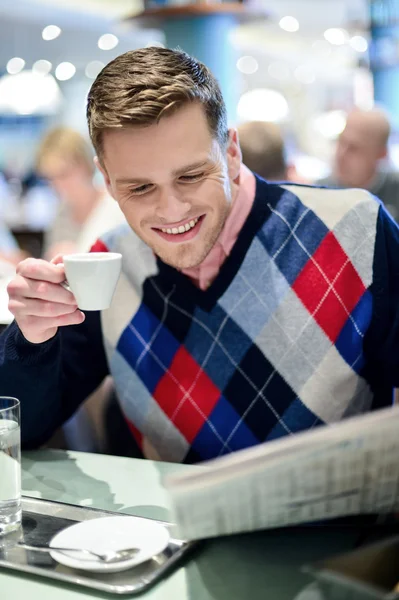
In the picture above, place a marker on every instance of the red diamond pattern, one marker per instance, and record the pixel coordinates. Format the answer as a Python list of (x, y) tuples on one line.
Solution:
[(188, 415), (330, 306)]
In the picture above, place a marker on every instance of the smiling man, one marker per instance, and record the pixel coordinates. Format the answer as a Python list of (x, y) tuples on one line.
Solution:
[(170, 198), (245, 310)]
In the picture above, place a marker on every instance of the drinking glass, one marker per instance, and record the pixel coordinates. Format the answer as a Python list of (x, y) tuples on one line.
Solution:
[(10, 465)]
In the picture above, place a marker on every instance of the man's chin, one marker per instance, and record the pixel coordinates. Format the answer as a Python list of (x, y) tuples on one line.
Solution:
[(180, 263), (184, 257)]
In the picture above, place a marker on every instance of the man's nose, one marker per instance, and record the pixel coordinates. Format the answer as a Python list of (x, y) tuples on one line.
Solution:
[(172, 207)]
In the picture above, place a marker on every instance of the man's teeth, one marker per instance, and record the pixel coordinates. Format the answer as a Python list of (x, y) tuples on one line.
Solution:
[(182, 228)]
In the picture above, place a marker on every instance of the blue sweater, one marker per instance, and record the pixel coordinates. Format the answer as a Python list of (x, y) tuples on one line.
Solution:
[(299, 329)]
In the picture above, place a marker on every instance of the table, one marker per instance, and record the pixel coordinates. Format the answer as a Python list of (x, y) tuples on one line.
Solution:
[(257, 566)]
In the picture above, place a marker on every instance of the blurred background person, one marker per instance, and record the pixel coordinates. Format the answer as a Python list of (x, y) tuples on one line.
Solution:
[(263, 151), (361, 149), (86, 210)]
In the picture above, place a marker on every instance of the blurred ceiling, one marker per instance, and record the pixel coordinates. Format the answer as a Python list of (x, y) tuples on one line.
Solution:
[(83, 21)]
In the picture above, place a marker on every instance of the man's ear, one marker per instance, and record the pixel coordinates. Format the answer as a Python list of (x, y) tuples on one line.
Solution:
[(383, 153), (234, 156), (104, 173)]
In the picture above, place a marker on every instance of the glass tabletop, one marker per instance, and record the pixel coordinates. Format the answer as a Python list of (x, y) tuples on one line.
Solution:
[(259, 565)]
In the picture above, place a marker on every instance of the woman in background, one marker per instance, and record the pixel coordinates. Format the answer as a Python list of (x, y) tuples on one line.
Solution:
[(86, 210)]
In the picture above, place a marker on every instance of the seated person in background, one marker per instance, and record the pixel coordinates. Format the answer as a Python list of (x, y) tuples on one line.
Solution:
[(86, 211), (263, 151), (361, 147), (245, 311)]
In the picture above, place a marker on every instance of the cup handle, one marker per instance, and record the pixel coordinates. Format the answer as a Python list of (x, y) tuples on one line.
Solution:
[(64, 283), (66, 286)]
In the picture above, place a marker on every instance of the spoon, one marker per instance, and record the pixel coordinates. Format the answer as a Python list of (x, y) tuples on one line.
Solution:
[(112, 556)]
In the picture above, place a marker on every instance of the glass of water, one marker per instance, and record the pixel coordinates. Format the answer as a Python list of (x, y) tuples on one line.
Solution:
[(10, 465)]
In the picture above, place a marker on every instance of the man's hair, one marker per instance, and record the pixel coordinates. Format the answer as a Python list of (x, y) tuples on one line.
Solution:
[(141, 86), (63, 143), (262, 148)]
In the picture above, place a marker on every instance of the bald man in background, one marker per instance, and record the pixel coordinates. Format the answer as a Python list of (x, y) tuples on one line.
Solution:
[(357, 164)]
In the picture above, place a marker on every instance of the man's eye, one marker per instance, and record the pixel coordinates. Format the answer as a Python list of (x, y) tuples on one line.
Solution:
[(189, 178), (141, 189)]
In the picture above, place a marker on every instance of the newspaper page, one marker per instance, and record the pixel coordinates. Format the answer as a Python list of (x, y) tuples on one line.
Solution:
[(343, 469)]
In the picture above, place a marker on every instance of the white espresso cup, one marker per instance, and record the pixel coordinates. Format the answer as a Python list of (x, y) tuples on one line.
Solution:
[(92, 278)]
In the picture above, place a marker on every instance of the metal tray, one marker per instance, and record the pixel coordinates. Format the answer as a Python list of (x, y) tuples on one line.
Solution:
[(42, 519)]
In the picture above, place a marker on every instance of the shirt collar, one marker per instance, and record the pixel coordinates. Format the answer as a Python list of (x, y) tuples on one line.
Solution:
[(205, 273)]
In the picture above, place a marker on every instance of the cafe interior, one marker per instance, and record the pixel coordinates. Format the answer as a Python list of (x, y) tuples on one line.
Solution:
[(299, 66)]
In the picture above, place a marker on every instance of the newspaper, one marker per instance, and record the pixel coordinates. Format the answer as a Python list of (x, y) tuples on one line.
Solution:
[(348, 468)]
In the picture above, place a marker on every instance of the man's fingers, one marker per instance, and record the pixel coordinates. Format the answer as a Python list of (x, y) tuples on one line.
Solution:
[(41, 270), (41, 324), (57, 260), (39, 308), (20, 287), (38, 301)]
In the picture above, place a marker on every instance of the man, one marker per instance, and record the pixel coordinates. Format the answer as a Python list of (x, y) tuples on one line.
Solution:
[(262, 148), (360, 149), (245, 310)]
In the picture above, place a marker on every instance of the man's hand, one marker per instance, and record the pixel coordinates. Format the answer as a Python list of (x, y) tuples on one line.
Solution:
[(38, 302)]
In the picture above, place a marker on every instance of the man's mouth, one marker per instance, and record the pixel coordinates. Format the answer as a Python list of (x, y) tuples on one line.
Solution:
[(183, 233)]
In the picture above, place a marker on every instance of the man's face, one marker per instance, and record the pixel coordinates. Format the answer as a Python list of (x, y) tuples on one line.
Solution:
[(173, 182), (357, 156)]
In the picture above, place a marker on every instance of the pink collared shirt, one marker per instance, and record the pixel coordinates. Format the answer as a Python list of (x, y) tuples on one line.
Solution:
[(206, 272)]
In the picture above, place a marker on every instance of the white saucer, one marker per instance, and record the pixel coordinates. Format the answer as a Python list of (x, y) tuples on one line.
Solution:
[(109, 533)]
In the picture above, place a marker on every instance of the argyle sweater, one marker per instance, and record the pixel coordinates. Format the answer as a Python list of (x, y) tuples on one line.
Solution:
[(299, 329)]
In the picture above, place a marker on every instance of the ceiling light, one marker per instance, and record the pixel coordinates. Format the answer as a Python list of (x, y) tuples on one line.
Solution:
[(29, 93), (65, 70), (15, 65), (262, 105), (51, 32), (108, 41), (336, 36), (304, 74), (247, 65), (42, 67), (93, 68), (359, 43), (289, 24)]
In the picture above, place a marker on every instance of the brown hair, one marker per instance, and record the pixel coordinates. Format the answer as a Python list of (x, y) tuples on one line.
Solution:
[(262, 148), (141, 86), (63, 143)]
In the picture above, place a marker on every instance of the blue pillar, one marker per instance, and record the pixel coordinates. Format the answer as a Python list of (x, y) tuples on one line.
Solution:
[(384, 55), (207, 37)]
